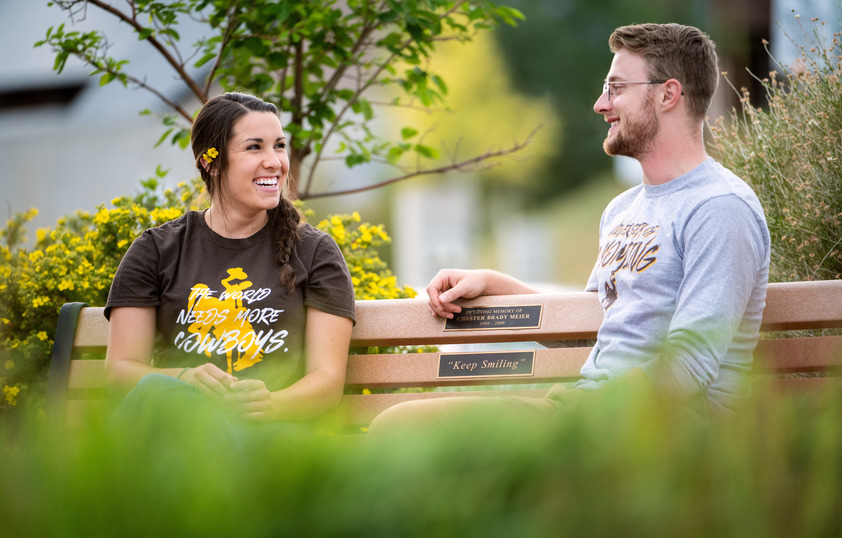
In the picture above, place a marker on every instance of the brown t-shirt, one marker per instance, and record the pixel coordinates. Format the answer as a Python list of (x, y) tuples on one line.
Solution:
[(220, 300)]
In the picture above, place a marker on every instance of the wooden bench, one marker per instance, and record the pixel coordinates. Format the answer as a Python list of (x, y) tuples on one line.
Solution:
[(76, 381)]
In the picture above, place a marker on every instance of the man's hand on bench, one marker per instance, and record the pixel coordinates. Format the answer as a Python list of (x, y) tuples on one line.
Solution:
[(452, 284)]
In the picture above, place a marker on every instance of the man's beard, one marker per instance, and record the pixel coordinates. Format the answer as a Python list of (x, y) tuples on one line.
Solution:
[(634, 135)]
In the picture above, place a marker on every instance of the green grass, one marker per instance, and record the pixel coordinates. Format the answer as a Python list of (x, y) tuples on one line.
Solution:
[(618, 465)]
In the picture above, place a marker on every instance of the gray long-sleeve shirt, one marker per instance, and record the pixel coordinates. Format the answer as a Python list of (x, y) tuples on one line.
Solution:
[(681, 274)]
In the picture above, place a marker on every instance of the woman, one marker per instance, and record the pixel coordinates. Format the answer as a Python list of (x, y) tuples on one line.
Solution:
[(240, 305)]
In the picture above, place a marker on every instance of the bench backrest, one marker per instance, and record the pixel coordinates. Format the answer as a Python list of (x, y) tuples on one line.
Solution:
[(487, 349)]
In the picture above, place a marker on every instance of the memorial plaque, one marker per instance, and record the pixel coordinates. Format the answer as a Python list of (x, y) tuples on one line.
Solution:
[(487, 364), (480, 318)]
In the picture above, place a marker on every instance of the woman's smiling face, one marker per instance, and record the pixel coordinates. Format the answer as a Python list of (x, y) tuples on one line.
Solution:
[(258, 164)]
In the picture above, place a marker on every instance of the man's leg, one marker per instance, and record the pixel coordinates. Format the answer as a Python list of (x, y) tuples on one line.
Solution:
[(486, 416)]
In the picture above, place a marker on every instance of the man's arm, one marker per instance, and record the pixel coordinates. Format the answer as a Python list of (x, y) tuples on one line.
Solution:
[(452, 284), (724, 254)]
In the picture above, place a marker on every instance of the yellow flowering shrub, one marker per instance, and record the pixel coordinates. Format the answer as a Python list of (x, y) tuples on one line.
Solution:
[(359, 241), (370, 275), (76, 261)]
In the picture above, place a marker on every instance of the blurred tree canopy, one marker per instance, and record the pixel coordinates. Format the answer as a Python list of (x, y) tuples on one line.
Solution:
[(319, 60), (484, 110), (561, 51)]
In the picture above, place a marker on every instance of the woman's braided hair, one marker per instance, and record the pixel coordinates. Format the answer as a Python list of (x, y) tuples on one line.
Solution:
[(212, 128)]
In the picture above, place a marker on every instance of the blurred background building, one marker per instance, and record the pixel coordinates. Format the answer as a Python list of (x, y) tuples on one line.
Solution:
[(67, 144)]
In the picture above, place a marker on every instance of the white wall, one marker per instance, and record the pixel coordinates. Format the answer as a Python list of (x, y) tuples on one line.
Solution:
[(435, 227), (60, 159)]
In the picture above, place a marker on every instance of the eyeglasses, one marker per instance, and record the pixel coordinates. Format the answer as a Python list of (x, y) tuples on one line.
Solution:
[(606, 88)]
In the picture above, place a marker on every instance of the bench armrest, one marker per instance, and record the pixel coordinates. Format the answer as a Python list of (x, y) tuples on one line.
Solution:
[(68, 317)]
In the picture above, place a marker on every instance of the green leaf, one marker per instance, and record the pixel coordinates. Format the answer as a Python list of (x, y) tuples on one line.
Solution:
[(204, 59), (391, 40), (425, 95), (426, 151), (395, 153), (61, 60), (353, 160), (106, 78), (509, 15), (172, 33), (363, 107), (440, 83), (277, 60), (408, 132), (345, 94), (182, 138), (255, 45), (163, 137)]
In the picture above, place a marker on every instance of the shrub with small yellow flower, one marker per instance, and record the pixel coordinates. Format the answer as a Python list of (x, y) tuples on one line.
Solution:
[(370, 275), (359, 241), (74, 261)]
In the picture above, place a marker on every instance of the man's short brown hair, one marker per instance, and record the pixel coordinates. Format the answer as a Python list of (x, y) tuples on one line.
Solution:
[(674, 51)]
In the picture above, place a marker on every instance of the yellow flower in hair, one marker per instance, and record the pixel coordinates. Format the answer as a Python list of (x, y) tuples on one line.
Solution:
[(210, 155)]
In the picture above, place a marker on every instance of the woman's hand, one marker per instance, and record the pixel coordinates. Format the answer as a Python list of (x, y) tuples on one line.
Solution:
[(211, 380), (326, 354), (250, 399)]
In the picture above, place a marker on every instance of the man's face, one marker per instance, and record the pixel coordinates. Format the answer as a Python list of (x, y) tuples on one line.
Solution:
[(629, 109)]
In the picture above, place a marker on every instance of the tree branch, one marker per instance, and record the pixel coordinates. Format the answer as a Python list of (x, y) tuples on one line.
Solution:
[(461, 165), (226, 39), (330, 85), (336, 121), (172, 104), (359, 91), (179, 68)]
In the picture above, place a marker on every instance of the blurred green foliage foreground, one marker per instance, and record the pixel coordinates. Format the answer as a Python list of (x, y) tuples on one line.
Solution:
[(622, 464)]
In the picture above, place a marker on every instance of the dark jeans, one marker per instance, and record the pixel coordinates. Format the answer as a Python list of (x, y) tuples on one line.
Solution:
[(162, 414)]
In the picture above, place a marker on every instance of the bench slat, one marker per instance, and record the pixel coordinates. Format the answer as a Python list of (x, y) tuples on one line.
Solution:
[(803, 305), (80, 412), (573, 315), (808, 386), (801, 354), (566, 316), (782, 355), (91, 331), (86, 374), (421, 370), (408, 322)]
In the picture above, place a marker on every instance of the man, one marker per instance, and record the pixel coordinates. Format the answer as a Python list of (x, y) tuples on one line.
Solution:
[(684, 256)]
